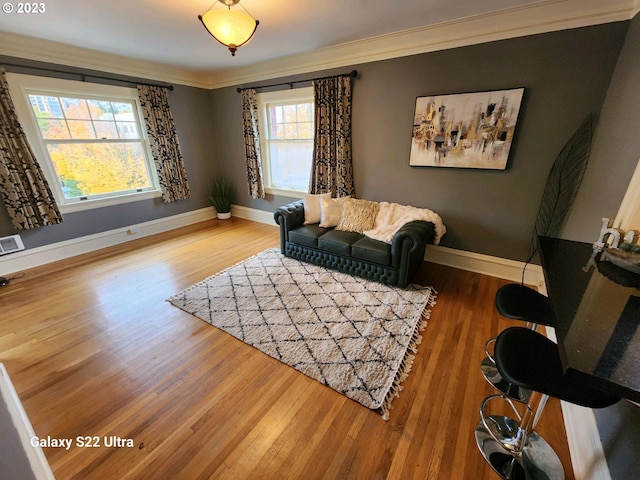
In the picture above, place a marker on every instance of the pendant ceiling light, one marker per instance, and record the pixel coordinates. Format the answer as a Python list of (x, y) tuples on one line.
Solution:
[(232, 28)]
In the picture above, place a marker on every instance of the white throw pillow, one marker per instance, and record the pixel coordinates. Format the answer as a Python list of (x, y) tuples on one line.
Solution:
[(331, 211), (312, 208)]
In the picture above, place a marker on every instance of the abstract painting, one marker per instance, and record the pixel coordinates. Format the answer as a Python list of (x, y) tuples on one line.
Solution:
[(465, 130)]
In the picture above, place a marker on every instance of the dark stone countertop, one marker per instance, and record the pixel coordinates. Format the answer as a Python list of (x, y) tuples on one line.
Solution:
[(597, 310)]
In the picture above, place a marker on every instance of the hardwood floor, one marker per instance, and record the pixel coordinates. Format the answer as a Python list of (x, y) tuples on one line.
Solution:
[(93, 349)]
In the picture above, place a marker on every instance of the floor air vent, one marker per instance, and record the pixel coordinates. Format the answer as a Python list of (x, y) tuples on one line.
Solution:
[(10, 244)]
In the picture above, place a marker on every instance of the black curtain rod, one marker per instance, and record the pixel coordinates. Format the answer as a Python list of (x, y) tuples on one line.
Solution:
[(84, 76), (353, 74)]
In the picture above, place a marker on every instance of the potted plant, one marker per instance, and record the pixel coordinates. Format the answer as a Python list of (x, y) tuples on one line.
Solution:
[(221, 197)]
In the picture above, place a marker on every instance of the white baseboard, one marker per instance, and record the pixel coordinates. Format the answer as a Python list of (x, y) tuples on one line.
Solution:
[(261, 216), (582, 433), (485, 264), (585, 446), (33, 257)]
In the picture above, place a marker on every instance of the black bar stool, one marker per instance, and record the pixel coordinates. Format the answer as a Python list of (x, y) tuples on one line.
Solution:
[(517, 302), (511, 446)]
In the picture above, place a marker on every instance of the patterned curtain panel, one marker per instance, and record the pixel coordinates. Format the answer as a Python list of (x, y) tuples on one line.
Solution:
[(164, 143), (252, 142), (332, 168), (25, 191)]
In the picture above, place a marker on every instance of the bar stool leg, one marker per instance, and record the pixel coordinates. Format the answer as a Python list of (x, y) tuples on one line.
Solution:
[(512, 447), (531, 416)]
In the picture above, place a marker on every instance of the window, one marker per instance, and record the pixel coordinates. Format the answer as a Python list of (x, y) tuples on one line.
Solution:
[(90, 139), (287, 140)]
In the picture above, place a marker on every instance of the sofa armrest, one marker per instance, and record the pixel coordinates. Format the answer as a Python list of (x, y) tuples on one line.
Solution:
[(408, 246), (413, 236), (288, 216)]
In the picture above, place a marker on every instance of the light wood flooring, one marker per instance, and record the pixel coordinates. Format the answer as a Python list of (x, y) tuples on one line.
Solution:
[(93, 349)]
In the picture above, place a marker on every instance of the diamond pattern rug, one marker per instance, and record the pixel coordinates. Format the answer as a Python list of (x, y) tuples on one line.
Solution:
[(356, 336)]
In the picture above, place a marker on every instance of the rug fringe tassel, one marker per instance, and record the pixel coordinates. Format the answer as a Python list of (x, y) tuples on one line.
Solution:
[(407, 361)]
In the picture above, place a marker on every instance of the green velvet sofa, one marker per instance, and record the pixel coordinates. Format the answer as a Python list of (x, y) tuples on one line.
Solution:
[(353, 253)]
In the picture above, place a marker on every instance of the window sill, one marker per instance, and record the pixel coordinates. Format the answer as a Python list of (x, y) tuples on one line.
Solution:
[(107, 202), (284, 193)]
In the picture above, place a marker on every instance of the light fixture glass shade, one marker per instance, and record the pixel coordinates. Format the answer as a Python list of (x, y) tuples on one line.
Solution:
[(232, 28)]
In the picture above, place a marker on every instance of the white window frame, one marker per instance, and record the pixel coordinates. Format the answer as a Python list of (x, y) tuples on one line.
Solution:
[(280, 96), (20, 85)]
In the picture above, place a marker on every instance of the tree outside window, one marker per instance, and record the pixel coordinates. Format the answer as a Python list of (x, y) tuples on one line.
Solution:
[(287, 139), (95, 145)]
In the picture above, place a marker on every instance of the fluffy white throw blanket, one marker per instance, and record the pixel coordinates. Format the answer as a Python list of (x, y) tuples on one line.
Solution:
[(392, 216)]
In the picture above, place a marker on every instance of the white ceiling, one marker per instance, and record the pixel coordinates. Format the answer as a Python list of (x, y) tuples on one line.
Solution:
[(168, 32)]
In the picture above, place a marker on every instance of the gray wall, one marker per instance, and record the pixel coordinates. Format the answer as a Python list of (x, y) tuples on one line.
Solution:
[(192, 112), (616, 146), (565, 74), (616, 151)]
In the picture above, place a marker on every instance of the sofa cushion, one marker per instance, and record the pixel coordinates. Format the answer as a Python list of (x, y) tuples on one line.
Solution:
[(307, 235), (358, 215), (372, 250), (336, 241)]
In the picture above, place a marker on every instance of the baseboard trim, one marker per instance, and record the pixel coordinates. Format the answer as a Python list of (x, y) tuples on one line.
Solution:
[(587, 454), (247, 213), (34, 257), (485, 264)]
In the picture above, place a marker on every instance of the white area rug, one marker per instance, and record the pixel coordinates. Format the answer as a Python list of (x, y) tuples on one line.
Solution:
[(356, 336)]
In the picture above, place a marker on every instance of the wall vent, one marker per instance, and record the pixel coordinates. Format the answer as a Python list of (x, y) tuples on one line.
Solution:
[(10, 244)]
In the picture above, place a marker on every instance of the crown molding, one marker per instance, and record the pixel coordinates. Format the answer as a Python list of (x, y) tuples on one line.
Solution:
[(541, 17), (32, 48)]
